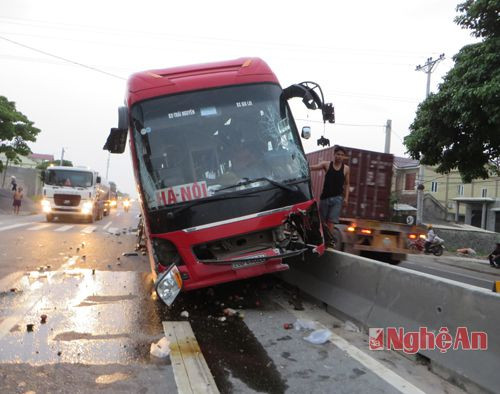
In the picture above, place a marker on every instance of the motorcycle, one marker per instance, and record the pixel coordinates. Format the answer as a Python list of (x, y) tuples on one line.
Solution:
[(126, 205), (436, 248)]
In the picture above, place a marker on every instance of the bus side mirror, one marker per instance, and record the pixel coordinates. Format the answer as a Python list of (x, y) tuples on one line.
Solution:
[(306, 132), (116, 141), (328, 113), (98, 179)]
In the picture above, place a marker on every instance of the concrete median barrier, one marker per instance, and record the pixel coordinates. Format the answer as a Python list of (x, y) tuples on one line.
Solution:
[(379, 295)]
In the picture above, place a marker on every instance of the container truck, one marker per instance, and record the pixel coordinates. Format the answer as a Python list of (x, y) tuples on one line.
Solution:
[(365, 227)]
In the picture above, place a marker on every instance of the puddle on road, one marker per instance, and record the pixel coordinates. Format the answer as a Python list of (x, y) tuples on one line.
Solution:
[(113, 378), (97, 300), (91, 319), (229, 347), (110, 317)]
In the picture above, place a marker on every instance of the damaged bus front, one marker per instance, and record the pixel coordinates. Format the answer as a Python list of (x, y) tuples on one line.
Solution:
[(224, 182)]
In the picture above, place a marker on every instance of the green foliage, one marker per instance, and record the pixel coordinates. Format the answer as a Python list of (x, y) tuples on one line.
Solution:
[(481, 16), (15, 131), (459, 126), (45, 164)]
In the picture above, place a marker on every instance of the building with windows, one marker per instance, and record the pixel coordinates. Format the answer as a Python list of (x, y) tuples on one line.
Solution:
[(446, 197)]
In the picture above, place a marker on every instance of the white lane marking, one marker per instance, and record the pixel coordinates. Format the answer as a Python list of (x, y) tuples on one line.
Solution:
[(448, 272), (89, 229), (190, 368), (15, 226), (39, 227), (373, 365), (107, 225), (64, 228), (33, 299)]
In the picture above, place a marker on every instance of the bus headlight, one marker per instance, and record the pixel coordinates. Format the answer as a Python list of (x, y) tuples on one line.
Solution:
[(46, 206), (87, 207), (168, 285)]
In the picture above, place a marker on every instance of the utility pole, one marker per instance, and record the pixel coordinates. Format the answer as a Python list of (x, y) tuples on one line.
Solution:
[(428, 67), (62, 157), (388, 129), (107, 166)]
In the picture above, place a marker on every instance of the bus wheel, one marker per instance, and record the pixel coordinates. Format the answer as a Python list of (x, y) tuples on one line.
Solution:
[(49, 218)]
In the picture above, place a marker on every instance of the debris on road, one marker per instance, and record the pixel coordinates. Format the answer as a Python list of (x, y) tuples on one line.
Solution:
[(29, 327), (43, 319), (129, 254), (223, 318), (229, 312), (351, 327), (160, 349), (185, 314), (318, 337), (301, 324), (288, 326)]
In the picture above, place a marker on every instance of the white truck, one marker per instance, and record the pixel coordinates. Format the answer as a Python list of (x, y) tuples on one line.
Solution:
[(73, 192)]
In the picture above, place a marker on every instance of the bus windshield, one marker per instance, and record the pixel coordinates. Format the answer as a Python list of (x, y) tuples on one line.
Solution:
[(69, 178), (198, 144)]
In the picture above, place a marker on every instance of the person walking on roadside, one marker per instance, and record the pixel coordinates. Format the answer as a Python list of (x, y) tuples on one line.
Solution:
[(13, 183), (335, 188), (18, 196), (494, 257)]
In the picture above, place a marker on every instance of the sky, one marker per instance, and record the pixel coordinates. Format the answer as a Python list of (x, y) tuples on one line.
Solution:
[(65, 63)]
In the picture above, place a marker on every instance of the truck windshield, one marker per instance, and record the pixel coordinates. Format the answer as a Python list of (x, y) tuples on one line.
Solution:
[(69, 178), (195, 145)]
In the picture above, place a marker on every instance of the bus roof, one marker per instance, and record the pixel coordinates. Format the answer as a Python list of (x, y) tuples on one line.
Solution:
[(154, 83)]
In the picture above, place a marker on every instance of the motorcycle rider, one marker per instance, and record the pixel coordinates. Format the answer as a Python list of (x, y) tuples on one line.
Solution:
[(494, 257), (431, 235)]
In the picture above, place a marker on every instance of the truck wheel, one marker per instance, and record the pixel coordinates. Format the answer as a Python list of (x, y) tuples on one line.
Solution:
[(49, 218), (337, 240)]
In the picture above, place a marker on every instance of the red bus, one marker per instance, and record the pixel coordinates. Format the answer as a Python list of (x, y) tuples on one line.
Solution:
[(224, 183)]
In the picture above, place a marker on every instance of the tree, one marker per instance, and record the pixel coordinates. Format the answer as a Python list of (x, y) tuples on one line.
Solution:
[(459, 126), (15, 131)]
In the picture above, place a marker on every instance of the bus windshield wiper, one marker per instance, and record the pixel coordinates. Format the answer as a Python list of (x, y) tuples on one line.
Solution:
[(247, 181)]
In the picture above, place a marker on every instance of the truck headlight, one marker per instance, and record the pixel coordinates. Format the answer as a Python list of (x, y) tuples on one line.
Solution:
[(168, 285), (46, 206), (87, 207)]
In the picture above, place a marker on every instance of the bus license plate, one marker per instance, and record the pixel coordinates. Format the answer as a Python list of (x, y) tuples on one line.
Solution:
[(245, 264)]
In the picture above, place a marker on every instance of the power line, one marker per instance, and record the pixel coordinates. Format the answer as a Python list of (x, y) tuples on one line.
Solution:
[(341, 124), (64, 59), (96, 29)]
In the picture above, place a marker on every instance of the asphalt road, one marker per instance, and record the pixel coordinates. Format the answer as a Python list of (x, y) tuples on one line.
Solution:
[(102, 317), (465, 270)]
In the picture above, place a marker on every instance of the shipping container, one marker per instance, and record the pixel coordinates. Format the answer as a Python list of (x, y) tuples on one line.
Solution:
[(370, 182)]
